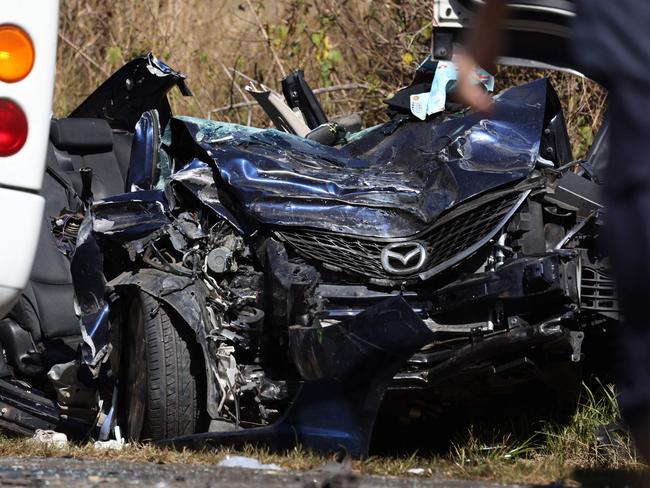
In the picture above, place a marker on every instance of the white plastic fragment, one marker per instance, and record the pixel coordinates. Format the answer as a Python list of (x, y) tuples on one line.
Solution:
[(417, 471), (111, 445), (51, 437), (246, 462), (116, 444)]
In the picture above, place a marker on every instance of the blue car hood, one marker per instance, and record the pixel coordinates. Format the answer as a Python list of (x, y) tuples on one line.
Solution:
[(389, 181)]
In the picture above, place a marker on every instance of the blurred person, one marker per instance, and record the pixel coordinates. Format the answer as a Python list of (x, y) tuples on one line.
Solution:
[(611, 44)]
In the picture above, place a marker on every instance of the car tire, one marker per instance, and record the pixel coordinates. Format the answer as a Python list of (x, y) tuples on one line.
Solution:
[(161, 394)]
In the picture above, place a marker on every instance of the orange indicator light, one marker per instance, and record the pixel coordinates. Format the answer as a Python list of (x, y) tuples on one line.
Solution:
[(16, 54)]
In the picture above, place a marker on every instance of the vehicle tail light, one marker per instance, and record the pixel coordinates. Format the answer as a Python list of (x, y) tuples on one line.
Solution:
[(13, 128), (16, 54)]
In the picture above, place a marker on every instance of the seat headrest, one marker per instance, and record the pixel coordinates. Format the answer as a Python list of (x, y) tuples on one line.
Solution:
[(81, 134)]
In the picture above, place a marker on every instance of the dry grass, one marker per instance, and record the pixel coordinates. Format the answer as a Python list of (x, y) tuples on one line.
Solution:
[(374, 44), (524, 470), (335, 42), (539, 469), (553, 453)]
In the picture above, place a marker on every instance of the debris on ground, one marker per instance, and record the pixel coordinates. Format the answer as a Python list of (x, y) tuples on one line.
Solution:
[(51, 437), (113, 444), (247, 463)]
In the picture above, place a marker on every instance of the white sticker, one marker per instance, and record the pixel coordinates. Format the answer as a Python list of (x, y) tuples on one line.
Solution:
[(419, 105)]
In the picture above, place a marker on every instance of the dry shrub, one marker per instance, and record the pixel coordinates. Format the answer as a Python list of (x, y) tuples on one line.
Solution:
[(335, 43), (583, 101), (369, 45)]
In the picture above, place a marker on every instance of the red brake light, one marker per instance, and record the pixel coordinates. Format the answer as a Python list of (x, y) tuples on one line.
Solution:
[(13, 128)]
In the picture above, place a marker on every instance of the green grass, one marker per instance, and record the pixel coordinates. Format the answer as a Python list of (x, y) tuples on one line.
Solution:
[(576, 442), (552, 453)]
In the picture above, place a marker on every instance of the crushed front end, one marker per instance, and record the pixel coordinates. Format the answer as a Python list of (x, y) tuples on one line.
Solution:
[(418, 257)]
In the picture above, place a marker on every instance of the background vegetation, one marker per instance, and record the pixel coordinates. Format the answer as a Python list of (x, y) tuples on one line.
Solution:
[(359, 51)]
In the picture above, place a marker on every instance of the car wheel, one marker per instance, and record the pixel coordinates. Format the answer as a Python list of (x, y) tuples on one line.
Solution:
[(160, 393)]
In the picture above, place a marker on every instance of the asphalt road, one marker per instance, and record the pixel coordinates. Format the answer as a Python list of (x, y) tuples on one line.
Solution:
[(72, 473)]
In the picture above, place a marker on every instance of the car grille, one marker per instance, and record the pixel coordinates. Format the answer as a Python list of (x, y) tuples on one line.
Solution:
[(597, 291), (454, 236)]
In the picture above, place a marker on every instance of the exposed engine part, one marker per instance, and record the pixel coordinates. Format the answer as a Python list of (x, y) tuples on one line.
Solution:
[(219, 260), (228, 377), (576, 337), (463, 329), (70, 390), (268, 390), (500, 249), (65, 229), (189, 225)]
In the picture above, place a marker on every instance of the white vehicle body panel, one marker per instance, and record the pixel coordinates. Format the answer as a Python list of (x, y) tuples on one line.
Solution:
[(530, 24), (21, 175)]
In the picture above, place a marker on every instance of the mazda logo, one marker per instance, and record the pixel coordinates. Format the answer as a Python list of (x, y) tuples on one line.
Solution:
[(403, 258)]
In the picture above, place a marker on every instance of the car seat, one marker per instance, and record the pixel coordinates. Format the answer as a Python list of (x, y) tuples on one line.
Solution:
[(42, 329)]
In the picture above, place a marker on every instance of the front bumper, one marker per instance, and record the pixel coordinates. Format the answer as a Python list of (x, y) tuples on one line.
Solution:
[(529, 304), (487, 319)]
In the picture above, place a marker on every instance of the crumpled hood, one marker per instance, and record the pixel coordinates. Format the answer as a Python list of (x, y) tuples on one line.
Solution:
[(390, 181)]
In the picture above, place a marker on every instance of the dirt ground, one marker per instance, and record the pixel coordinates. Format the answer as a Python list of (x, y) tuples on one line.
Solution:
[(69, 473)]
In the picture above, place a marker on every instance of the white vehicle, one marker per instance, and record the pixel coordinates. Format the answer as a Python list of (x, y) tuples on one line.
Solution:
[(28, 35)]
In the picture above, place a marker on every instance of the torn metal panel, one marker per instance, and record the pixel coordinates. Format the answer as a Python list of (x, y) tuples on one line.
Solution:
[(451, 363), (121, 218), (197, 178), (533, 276), (137, 87), (144, 170), (90, 294), (349, 367), (291, 288), (130, 216), (354, 347)]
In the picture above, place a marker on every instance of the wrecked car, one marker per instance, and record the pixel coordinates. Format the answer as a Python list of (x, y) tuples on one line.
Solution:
[(201, 282)]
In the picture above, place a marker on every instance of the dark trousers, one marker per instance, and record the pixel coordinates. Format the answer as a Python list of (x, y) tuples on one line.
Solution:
[(627, 191)]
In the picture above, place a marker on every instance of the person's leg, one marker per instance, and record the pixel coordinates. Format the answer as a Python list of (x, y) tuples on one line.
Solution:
[(628, 241)]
